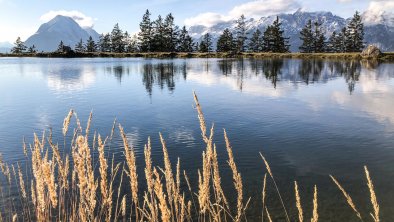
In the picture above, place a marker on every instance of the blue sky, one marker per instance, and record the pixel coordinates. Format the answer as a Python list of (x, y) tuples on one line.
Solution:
[(23, 17)]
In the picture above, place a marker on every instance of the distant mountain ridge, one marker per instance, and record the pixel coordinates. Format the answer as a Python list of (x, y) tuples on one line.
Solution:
[(379, 29), (60, 28), (5, 47)]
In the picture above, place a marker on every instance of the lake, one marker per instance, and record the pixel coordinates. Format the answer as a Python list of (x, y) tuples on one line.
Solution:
[(310, 118)]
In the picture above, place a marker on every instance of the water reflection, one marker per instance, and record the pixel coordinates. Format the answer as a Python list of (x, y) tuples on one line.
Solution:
[(240, 72), (72, 78), (161, 74)]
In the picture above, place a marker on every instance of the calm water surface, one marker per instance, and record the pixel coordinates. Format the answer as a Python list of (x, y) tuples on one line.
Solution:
[(310, 118)]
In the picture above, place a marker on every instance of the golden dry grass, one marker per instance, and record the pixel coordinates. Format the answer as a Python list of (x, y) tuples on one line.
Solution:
[(57, 188), (298, 202)]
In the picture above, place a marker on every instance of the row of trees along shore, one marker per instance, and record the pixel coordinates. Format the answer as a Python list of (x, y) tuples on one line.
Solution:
[(162, 35)]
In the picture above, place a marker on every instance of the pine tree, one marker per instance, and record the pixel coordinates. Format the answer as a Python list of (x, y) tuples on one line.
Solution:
[(90, 45), (32, 49), (240, 34), (355, 34), (319, 38), (206, 43), (132, 44), (145, 34), (256, 42), (19, 46), (331, 44), (197, 47), (186, 43), (226, 42), (268, 39), (60, 47), (117, 41), (158, 43), (202, 47), (79, 47), (105, 43), (170, 34), (273, 40), (306, 35), (340, 42)]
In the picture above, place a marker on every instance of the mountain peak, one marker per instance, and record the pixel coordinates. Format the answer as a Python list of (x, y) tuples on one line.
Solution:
[(60, 28)]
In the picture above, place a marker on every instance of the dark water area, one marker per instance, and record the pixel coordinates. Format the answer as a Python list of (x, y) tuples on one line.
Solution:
[(310, 118)]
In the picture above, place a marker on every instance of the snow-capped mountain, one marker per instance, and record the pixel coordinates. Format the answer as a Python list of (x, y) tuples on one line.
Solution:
[(60, 28), (379, 27), (5, 47)]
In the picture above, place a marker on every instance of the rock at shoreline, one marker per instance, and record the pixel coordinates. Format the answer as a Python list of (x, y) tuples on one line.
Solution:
[(371, 52)]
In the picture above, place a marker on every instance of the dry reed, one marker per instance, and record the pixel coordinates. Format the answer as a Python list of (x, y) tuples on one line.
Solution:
[(236, 177), (374, 200), (347, 197), (263, 194), (131, 163), (315, 214), (268, 215), (298, 202), (267, 166), (66, 122)]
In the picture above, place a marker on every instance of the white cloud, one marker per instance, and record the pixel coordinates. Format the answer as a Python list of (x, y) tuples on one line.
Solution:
[(207, 19), (251, 9), (259, 8), (79, 17), (379, 11), (381, 5)]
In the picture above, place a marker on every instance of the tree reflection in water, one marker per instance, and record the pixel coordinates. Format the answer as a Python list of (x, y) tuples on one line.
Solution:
[(309, 71)]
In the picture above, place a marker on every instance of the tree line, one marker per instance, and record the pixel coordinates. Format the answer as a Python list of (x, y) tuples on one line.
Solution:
[(349, 39), (162, 35)]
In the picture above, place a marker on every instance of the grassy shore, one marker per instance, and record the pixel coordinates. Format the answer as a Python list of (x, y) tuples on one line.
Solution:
[(77, 187), (388, 56)]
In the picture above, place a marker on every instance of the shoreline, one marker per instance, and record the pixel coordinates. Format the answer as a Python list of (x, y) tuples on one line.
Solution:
[(387, 56)]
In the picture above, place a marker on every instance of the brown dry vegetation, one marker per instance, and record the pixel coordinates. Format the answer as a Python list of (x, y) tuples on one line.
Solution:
[(74, 187), (387, 56)]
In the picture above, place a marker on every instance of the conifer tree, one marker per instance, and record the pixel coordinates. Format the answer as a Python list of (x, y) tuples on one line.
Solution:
[(186, 43), (319, 38), (132, 44), (331, 44), (256, 42), (197, 47), (19, 46), (105, 43), (170, 34), (79, 47), (268, 39), (226, 42), (60, 47), (158, 43), (340, 42), (145, 34), (91, 45), (117, 41), (206, 43), (273, 40), (355, 34), (306, 35), (240, 34), (32, 49)]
